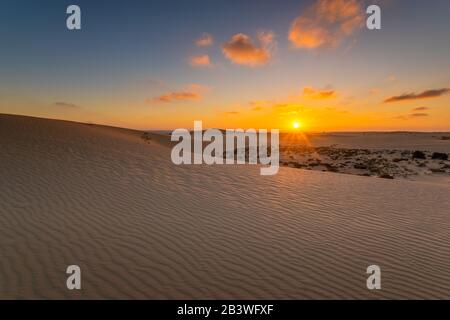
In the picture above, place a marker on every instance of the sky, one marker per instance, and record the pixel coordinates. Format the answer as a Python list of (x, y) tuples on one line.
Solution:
[(231, 64)]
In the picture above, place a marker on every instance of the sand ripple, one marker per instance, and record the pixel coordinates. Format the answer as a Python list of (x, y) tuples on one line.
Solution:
[(140, 227)]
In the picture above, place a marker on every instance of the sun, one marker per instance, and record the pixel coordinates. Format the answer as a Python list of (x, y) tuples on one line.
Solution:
[(296, 124)]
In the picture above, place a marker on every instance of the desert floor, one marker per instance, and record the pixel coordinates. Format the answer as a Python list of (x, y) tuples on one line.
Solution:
[(139, 227)]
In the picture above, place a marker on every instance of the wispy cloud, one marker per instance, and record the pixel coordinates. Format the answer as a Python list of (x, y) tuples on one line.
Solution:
[(232, 112), (205, 40), (200, 61), (258, 105), (326, 23), (412, 116), (418, 115), (420, 109), (177, 96), (415, 96), (192, 92), (197, 87), (242, 50), (66, 105), (312, 93)]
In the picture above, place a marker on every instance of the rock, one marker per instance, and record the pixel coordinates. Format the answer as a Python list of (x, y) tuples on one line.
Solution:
[(314, 164), (437, 170), (360, 166), (331, 168), (439, 156), (418, 155), (145, 136), (386, 176), (399, 159), (421, 165)]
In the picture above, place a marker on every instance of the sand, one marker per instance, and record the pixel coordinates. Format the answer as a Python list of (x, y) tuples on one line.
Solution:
[(389, 155), (425, 141), (140, 227)]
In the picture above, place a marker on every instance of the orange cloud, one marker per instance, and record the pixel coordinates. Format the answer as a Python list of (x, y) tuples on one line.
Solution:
[(192, 92), (416, 115), (260, 104), (196, 87), (200, 61), (177, 96), (240, 49), (66, 105), (412, 116), (326, 23), (312, 93), (415, 96), (420, 109), (205, 40)]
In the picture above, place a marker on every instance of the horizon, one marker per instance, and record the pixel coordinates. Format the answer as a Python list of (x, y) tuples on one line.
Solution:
[(289, 131)]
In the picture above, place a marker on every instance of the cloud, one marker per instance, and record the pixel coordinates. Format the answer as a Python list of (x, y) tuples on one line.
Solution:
[(196, 87), (192, 92), (412, 116), (326, 23), (258, 105), (242, 50), (205, 40), (418, 115), (177, 96), (420, 109), (415, 96), (281, 105), (66, 105), (232, 112), (312, 93), (200, 61)]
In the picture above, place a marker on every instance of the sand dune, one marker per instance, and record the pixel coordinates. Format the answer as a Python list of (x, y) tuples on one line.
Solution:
[(140, 227)]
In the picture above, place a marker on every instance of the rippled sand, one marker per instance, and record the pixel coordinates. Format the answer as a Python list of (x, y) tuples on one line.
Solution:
[(141, 227)]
